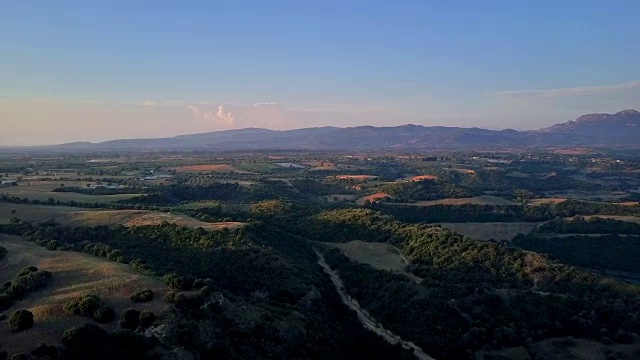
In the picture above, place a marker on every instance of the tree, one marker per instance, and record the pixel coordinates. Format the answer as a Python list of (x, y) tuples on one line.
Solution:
[(146, 319), (13, 211), (130, 319), (21, 320)]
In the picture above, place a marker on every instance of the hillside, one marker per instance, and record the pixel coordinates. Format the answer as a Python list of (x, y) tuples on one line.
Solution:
[(73, 274)]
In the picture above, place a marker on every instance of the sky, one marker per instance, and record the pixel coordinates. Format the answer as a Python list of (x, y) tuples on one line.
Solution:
[(92, 71)]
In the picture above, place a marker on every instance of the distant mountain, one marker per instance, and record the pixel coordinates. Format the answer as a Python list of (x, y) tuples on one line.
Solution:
[(619, 129)]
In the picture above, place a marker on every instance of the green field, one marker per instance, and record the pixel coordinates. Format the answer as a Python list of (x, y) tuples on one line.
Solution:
[(43, 191)]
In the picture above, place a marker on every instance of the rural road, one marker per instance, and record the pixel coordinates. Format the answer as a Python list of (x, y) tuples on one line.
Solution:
[(366, 319)]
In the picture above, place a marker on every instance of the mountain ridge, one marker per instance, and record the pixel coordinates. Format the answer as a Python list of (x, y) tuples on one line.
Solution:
[(618, 129)]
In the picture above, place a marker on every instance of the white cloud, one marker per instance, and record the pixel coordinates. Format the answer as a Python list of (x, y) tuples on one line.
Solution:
[(570, 92)]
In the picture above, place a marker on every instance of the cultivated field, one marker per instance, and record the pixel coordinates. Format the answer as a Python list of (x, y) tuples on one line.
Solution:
[(493, 230), (478, 200), (204, 168), (73, 274)]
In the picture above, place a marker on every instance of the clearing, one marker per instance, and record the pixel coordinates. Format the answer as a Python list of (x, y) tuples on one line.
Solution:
[(372, 198), (478, 200), (545, 201), (500, 231), (73, 274), (380, 256)]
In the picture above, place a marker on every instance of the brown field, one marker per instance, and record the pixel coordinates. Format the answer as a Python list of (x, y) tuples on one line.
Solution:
[(478, 200), (500, 231), (424, 177), (628, 203), (73, 274), (547, 201), (356, 177), (88, 217), (206, 168), (379, 255), (372, 198)]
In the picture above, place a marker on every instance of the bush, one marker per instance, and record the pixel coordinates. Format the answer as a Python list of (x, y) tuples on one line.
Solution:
[(175, 282), (44, 351), (104, 315), (146, 319), (130, 319), (21, 356), (21, 320), (84, 306), (142, 296), (170, 297)]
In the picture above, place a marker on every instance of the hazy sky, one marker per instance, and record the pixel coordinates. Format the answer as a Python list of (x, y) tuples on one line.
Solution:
[(97, 70)]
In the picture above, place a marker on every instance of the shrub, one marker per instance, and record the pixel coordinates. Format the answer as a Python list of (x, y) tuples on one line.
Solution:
[(142, 296), (21, 320), (175, 282), (85, 305), (130, 319), (104, 315), (28, 280), (146, 319), (21, 356), (170, 297), (44, 351)]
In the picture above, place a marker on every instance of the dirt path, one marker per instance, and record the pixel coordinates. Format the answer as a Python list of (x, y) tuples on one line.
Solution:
[(364, 317)]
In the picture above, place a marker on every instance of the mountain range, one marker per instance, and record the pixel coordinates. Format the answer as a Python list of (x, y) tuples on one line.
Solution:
[(621, 129)]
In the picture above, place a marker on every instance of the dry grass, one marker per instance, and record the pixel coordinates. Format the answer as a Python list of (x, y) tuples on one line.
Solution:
[(372, 198), (478, 200), (88, 217), (356, 177), (494, 230), (339, 197), (73, 274), (206, 168), (424, 177), (547, 201), (379, 255)]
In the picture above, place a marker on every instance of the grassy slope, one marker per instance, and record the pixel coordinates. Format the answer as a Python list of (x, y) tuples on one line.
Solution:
[(73, 274), (90, 217)]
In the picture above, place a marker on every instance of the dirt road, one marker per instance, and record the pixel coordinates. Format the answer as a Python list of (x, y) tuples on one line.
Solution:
[(364, 317)]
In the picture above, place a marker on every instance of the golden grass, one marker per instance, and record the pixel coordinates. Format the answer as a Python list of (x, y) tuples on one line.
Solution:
[(73, 274), (89, 217), (372, 198), (356, 177), (547, 201), (424, 177)]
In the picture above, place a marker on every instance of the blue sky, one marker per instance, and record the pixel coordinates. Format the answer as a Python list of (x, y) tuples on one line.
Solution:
[(168, 66)]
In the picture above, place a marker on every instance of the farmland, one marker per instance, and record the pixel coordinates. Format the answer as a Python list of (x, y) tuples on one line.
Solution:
[(428, 245)]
